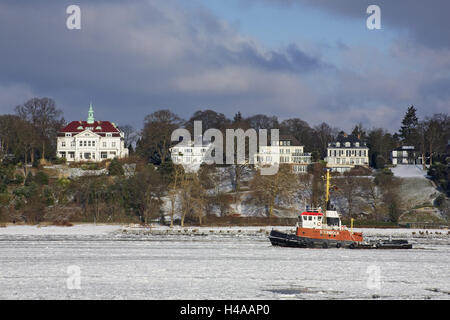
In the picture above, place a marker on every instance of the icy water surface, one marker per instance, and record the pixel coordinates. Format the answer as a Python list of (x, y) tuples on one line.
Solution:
[(116, 266)]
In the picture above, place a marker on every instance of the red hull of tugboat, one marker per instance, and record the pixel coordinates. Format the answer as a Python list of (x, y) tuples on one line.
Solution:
[(330, 234)]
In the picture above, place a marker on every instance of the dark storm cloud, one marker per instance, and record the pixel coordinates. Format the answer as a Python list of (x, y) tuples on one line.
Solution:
[(133, 57), (427, 20), (140, 53)]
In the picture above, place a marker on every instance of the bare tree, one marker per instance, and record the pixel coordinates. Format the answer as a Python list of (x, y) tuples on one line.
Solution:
[(129, 133), (177, 179), (267, 189), (192, 198), (348, 188), (47, 119), (156, 135), (324, 134)]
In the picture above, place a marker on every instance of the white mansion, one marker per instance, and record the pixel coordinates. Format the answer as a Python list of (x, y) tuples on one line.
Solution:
[(347, 152), (190, 155), (284, 151), (90, 140)]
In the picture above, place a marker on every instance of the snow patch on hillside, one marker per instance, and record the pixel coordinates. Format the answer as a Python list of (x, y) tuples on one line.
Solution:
[(409, 171)]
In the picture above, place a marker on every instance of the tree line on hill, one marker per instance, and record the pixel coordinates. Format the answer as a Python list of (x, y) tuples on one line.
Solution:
[(35, 195), (31, 132)]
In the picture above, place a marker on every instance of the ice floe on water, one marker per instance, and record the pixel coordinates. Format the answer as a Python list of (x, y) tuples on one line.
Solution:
[(108, 263)]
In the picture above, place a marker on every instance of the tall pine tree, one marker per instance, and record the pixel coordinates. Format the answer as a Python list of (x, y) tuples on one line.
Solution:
[(409, 130)]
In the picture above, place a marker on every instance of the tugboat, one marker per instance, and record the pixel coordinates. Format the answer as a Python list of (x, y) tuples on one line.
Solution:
[(315, 228)]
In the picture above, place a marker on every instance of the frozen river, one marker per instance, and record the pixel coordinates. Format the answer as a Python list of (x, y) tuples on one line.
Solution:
[(110, 265)]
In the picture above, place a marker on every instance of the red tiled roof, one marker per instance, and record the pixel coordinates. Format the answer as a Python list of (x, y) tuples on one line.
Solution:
[(96, 127)]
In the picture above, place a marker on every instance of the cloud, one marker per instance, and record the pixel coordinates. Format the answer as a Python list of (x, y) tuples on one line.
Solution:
[(132, 58), (427, 21)]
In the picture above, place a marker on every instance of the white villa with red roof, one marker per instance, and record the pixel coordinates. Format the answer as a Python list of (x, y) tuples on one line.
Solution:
[(90, 141)]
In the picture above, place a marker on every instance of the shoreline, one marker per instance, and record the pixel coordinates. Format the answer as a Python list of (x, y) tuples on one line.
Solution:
[(159, 230)]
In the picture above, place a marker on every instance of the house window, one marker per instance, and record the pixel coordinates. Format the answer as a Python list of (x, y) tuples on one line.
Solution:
[(113, 144), (104, 155), (85, 143), (93, 143), (89, 143), (72, 144), (68, 134), (104, 144), (81, 143), (63, 144)]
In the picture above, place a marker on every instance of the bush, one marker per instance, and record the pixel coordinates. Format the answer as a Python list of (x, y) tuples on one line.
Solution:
[(29, 179), (115, 168), (27, 192), (41, 178), (4, 199), (90, 166), (3, 187), (60, 161), (19, 179)]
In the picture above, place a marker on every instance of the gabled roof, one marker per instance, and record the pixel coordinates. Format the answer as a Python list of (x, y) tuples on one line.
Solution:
[(344, 138), (96, 127)]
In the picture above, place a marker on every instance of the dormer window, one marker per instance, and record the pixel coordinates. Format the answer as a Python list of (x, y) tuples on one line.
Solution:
[(338, 144), (347, 144), (68, 134), (357, 144)]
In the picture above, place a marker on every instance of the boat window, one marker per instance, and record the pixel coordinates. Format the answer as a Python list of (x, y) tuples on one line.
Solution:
[(305, 218), (333, 221), (310, 218)]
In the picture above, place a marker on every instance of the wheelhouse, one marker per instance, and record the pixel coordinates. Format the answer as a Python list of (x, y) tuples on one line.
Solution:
[(311, 219)]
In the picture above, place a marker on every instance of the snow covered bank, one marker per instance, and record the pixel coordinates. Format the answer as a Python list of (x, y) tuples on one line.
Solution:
[(80, 229), (157, 230)]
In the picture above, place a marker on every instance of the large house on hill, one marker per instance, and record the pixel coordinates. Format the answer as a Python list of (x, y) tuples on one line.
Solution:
[(287, 150), (347, 152), (405, 155), (90, 140), (190, 155)]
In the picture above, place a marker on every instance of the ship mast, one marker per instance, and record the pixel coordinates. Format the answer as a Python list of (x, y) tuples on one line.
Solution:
[(327, 195)]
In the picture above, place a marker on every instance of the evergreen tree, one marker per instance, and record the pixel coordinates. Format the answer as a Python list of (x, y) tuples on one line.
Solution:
[(237, 117), (115, 168), (359, 132), (409, 130)]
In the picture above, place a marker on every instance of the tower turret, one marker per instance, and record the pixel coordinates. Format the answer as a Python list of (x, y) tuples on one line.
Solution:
[(90, 118)]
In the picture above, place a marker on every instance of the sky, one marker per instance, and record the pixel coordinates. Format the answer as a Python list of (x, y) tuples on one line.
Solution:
[(309, 59)]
